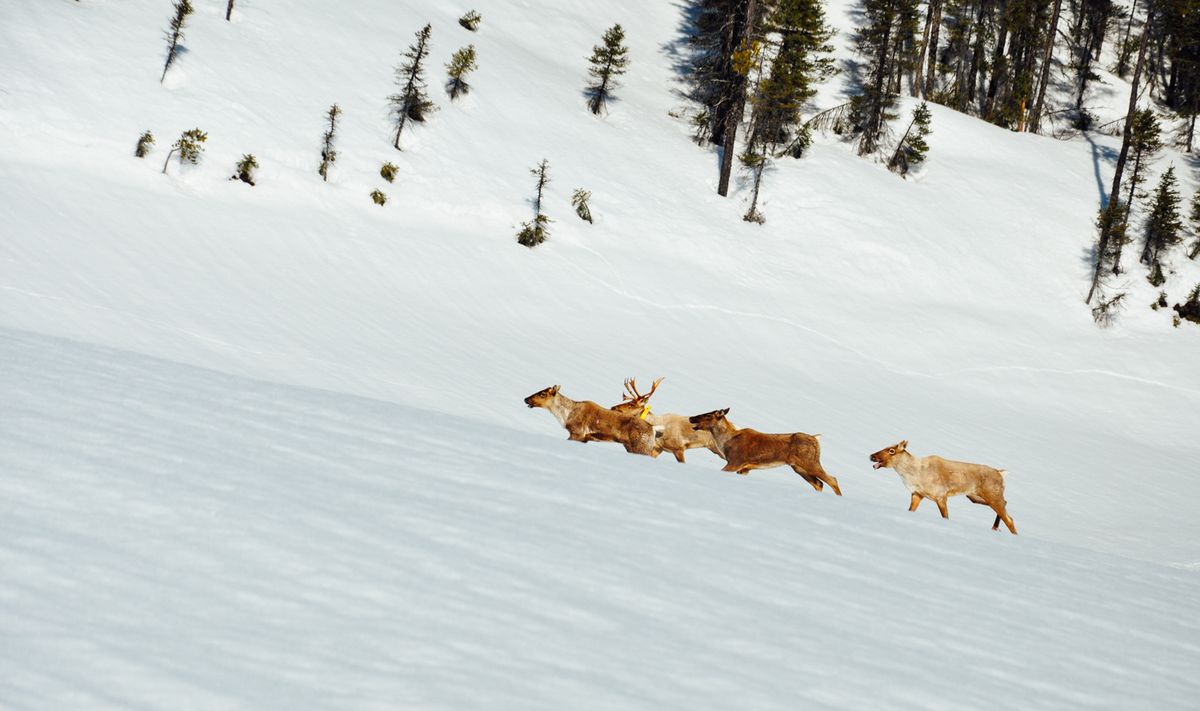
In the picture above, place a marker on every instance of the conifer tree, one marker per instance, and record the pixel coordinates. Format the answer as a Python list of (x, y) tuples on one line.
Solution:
[(188, 147), (244, 169), (379, 197), (1112, 216), (174, 33), (461, 64), (412, 102), (1189, 309), (1144, 142), (608, 61), (145, 141), (756, 163), (889, 28), (1164, 227), (912, 148), (387, 171), (535, 232), (1195, 215), (328, 153), (470, 20), (579, 200)]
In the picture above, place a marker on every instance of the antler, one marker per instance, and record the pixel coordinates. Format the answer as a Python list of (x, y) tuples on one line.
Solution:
[(632, 395)]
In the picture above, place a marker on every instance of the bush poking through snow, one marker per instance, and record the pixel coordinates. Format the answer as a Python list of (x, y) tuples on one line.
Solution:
[(244, 169), (1195, 218), (174, 34), (1105, 312), (470, 20), (188, 147), (461, 64), (143, 145), (535, 232), (579, 199), (1190, 309), (328, 154), (378, 197), (388, 172)]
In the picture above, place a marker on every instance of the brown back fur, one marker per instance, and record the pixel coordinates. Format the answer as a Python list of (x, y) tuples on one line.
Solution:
[(586, 421), (745, 449)]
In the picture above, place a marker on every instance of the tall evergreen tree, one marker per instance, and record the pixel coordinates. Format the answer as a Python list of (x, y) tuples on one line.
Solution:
[(1164, 227), (608, 61), (1087, 34), (412, 102), (461, 64), (1112, 215), (1145, 140), (889, 27), (174, 33), (1035, 114)]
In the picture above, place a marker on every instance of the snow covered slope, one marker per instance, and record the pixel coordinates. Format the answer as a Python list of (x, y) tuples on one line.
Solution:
[(280, 427)]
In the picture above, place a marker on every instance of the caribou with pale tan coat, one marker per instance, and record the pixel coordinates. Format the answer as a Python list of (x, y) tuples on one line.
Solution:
[(936, 478), (675, 432), (586, 421), (745, 449)]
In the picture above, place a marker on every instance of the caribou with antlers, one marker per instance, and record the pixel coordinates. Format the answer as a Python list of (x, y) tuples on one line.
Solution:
[(676, 434), (586, 421), (745, 449)]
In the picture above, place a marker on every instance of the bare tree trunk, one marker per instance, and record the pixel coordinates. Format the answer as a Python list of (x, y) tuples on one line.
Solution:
[(736, 98), (228, 10), (935, 24), (1115, 192), (1035, 117), (917, 83)]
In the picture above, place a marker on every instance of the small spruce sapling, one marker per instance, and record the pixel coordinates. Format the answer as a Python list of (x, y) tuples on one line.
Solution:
[(412, 102), (388, 172), (1164, 227), (756, 162), (174, 34), (143, 145), (579, 199), (470, 20), (535, 232), (244, 169), (1105, 312), (609, 61), (188, 147), (328, 153), (461, 64), (912, 149), (378, 197)]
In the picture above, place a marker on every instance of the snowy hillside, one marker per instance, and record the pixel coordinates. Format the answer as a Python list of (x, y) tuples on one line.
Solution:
[(265, 446)]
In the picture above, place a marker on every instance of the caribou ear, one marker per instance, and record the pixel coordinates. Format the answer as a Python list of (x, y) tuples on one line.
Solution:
[(554, 390), (903, 445), (724, 412)]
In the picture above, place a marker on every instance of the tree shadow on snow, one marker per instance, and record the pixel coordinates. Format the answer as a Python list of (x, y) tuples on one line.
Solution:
[(1100, 154)]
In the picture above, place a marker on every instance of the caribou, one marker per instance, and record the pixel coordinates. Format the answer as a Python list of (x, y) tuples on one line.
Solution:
[(675, 432), (586, 421), (744, 449), (935, 478)]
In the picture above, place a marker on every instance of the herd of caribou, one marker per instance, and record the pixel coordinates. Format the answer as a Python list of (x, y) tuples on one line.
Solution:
[(632, 424)]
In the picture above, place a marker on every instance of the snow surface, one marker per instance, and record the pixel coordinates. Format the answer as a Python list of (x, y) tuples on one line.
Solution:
[(264, 447)]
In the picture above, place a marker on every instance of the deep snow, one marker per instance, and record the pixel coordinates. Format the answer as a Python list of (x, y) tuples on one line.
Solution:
[(265, 446)]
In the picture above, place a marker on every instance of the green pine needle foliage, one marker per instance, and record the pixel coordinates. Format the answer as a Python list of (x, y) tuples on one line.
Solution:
[(143, 145), (461, 64), (470, 20), (244, 169)]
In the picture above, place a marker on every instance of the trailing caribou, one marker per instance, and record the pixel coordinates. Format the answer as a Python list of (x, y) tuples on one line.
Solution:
[(744, 449), (586, 421), (933, 477), (676, 433)]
